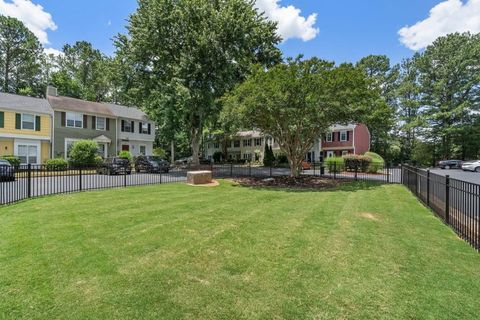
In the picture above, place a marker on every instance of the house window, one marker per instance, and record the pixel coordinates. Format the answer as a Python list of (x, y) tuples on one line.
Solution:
[(258, 142), (143, 150), (28, 122), (27, 154), (74, 120), (236, 143), (329, 136), (343, 136), (247, 143), (144, 128), (100, 123), (344, 153), (127, 126), (330, 154), (102, 148), (216, 145), (247, 156), (68, 146)]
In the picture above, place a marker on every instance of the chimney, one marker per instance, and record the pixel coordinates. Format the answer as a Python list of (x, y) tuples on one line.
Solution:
[(52, 91)]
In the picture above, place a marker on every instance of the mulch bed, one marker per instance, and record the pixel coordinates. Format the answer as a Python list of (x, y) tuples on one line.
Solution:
[(300, 183)]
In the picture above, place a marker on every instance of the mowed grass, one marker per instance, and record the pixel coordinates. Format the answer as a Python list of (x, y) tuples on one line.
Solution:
[(363, 251)]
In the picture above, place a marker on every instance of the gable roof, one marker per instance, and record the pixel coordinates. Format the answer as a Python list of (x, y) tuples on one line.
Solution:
[(127, 112), (16, 102), (77, 105)]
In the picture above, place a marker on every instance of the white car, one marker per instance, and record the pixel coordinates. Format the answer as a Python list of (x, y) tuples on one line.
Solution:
[(471, 166)]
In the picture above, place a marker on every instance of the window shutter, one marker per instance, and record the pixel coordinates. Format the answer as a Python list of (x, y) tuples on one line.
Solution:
[(38, 122), (18, 121), (340, 136), (63, 119), (85, 119), (333, 136), (139, 127), (149, 128), (132, 127), (123, 126), (94, 122), (2, 119), (107, 124), (348, 135)]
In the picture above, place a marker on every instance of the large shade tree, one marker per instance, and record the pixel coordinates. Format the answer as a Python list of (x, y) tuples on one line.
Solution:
[(20, 57), (185, 54), (298, 101)]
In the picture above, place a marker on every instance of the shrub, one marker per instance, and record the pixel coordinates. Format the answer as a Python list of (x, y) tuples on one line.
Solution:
[(58, 164), (268, 157), (159, 152), (14, 161), (217, 156), (281, 158), (355, 162), (98, 160), (335, 164), (125, 155), (83, 153), (376, 164)]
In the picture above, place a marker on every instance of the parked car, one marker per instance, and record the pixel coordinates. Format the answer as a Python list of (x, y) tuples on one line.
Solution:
[(450, 164), (151, 164), (115, 165), (471, 166), (7, 171)]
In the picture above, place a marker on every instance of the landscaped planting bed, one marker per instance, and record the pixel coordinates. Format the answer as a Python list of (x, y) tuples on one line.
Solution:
[(357, 251)]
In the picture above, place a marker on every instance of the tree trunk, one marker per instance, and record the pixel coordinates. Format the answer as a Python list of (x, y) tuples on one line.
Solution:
[(196, 135), (294, 166), (172, 148)]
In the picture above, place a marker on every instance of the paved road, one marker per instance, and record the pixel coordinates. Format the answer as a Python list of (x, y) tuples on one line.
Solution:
[(473, 177)]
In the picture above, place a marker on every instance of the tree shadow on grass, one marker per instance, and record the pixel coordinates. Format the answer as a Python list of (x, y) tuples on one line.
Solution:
[(343, 186)]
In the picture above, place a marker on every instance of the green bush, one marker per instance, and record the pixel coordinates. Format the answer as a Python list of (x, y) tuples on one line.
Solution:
[(98, 160), (335, 164), (268, 157), (281, 159), (58, 164), (125, 155), (159, 152), (376, 164), (14, 161), (83, 153), (355, 162), (217, 156)]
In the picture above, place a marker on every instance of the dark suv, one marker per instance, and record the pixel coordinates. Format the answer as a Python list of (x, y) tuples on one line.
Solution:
[(115, 165), (450, 164), (151, 164)]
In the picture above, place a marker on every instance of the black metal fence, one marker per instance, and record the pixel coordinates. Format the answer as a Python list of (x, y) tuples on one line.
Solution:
[(454, 201), (39, 180)]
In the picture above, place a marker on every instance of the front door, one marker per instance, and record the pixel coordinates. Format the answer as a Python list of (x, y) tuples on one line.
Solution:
[(330, 154)]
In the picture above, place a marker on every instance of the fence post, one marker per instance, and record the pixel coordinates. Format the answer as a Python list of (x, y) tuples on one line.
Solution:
[(447, 199), (402, 172), (125, 178), (271, 173), (416, 181), (428, 187), (356, 171), (80, 179), (314, 167), (231, 169), (388, 172), (250, 169), (29, 180), (334, 170)]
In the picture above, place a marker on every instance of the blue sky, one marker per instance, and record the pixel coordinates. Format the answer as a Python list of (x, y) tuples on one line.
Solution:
[(336, 30)]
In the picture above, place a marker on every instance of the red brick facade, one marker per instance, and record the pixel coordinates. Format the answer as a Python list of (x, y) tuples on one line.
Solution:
[(351, 140)]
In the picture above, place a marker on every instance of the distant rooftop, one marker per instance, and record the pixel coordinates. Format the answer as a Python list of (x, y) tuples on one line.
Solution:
[(127, 112), (77, 105), (16, 102)]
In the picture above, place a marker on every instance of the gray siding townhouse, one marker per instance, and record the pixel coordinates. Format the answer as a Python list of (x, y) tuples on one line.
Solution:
[(136, 132), (76, 119)]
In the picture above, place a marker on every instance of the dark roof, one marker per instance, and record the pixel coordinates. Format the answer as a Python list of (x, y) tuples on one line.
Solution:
[(77, 105), (23, 103)]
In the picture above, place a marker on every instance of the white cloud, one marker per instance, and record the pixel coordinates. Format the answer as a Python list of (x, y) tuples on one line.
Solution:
[(291, 24), (53, 51), (447, 17), (32, 15)]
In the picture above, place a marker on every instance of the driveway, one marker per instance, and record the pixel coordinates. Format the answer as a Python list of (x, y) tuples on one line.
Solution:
[(472, 177)]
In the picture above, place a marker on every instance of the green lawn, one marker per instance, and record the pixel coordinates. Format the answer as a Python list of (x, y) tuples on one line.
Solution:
[(178, 252)]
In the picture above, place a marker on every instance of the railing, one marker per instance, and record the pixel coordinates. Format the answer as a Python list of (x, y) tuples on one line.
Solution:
[(454, 201), (39, 180)]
